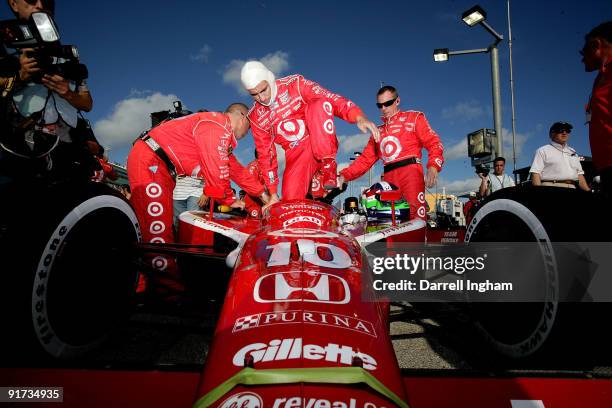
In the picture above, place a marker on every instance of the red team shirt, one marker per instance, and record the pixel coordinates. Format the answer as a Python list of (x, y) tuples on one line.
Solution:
[(283, 122)]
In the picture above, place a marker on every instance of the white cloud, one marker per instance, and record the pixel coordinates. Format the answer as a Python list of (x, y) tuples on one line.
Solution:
[(277, 62), (520, 140), (130, 117), (458, 186), (457, 151), (463, 111), (354, 143), (202, 54), (460, 151)]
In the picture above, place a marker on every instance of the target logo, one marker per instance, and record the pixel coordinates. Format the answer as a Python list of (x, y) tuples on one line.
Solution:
[(157, 240), (160, 263), (155, 209), (328, 127), (421, 197), (327, 107), (315, 185), (390, 148), (292, 130), (157, 227), (421, 212), (153, 190)]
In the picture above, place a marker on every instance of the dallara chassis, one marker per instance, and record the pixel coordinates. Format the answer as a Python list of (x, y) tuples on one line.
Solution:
[(296, 320)]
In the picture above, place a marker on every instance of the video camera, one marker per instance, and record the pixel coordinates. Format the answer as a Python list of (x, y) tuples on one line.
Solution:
[(41, 34), (482, 168), (165, 115)]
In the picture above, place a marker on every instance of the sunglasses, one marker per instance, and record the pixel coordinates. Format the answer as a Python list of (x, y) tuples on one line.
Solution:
[(387, 103), (563, 130)]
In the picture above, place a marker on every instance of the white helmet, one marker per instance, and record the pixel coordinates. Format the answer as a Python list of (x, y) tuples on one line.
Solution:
[(253, 72)]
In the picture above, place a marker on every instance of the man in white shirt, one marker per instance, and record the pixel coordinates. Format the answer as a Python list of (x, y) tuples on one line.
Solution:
[(496, 181), (556, 164)]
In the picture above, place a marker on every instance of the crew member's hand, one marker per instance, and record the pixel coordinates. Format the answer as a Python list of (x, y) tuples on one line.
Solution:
[(432, 177), (265, 197), (340, 181), (481, 175), (57, 84), (202, 201), (273, 199), (29, 65), (238, 204), (366, 126)]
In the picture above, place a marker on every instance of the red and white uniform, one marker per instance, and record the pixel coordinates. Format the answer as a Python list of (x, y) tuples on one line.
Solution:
[(252, 203), (198, 145), (599, 116), (402, 136), (300, 119)]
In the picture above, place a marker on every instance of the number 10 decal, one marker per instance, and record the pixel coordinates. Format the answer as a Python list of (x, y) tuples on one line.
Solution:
[(281, 254)]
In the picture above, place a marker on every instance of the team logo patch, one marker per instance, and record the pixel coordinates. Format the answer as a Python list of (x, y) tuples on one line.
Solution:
[(243, 400), (421, 212), (291, 130), (327, 107), (157, 240), (421, 197), (312, 287), (246, 322), (153, 190), (328, 127), (390, 148), (160, 263), (284, 97), (304, 316), (155, 209), (295, 349), (315, 184), (157, 227)]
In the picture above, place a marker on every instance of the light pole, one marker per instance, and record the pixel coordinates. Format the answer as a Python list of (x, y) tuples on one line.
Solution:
[(471, 17)]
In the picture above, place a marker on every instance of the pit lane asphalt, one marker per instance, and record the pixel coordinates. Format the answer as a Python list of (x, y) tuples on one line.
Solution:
[(428, 339)]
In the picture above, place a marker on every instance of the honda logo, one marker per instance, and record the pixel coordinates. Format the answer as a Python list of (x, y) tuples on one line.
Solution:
[(302, 287)]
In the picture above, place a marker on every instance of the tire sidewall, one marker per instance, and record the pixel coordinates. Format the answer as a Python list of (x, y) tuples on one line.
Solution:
[(45, 334), (542, 331)]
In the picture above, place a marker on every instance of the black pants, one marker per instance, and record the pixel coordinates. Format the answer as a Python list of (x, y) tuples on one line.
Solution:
[(606, 180)]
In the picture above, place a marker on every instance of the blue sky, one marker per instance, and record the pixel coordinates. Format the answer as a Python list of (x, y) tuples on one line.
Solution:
[(142, 55)]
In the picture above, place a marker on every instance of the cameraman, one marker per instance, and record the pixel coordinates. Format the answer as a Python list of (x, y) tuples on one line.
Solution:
[(490, 183), (80, 98), (71, 96)]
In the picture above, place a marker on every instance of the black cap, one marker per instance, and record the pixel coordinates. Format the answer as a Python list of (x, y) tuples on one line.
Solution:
[(558, 126)]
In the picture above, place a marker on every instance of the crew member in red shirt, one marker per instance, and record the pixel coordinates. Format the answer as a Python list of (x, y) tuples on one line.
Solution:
[(297, 114), (403, 135), (597, 56), (199, 145)]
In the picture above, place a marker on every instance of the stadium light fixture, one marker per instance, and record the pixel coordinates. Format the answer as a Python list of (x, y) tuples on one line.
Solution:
[(474, 16), (440, 54)]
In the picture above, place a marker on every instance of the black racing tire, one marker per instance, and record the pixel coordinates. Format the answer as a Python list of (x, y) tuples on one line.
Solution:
[(71, 278), (544, 215)]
